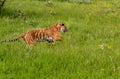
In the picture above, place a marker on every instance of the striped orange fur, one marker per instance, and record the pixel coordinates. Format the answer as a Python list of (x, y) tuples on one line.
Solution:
[(49, 34)]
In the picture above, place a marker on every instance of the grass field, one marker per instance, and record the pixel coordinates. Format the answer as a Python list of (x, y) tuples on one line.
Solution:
[(90, 49)]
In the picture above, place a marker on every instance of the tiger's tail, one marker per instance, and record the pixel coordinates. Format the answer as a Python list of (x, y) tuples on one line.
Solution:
[(13, 40)]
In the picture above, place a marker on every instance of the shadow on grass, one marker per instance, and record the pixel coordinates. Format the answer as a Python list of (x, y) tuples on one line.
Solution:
[(19, 14), (23, 14), (12, 13), (29, 17)]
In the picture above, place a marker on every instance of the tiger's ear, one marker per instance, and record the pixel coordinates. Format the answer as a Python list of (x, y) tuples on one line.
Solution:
[(62, 24)]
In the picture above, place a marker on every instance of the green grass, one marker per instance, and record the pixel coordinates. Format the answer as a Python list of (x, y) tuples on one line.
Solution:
[(90, 49)]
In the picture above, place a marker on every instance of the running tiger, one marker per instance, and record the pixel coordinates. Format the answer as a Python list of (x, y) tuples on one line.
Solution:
[(49, 34)]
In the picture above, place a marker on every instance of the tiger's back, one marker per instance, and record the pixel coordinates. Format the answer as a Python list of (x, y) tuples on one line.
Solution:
[(33, 36)]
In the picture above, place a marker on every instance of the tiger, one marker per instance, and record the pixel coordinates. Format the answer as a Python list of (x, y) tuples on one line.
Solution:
[(48, 34)]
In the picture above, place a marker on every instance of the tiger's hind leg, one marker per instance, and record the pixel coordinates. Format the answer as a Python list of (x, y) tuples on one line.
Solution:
[(29, 40), (50, 40)]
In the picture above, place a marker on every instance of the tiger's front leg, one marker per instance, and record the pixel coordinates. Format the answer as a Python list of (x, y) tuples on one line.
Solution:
[(58, 38)]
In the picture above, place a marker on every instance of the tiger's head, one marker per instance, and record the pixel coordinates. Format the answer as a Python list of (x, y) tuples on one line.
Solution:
[(61, 27)]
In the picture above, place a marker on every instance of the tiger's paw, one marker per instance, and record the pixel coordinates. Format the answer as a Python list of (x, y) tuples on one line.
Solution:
[(51, 44)]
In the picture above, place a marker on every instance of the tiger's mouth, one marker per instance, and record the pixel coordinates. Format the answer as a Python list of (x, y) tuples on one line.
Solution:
[(65, 30)]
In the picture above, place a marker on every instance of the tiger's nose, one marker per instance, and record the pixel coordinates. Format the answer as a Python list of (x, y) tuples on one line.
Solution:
[(65, 30)]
